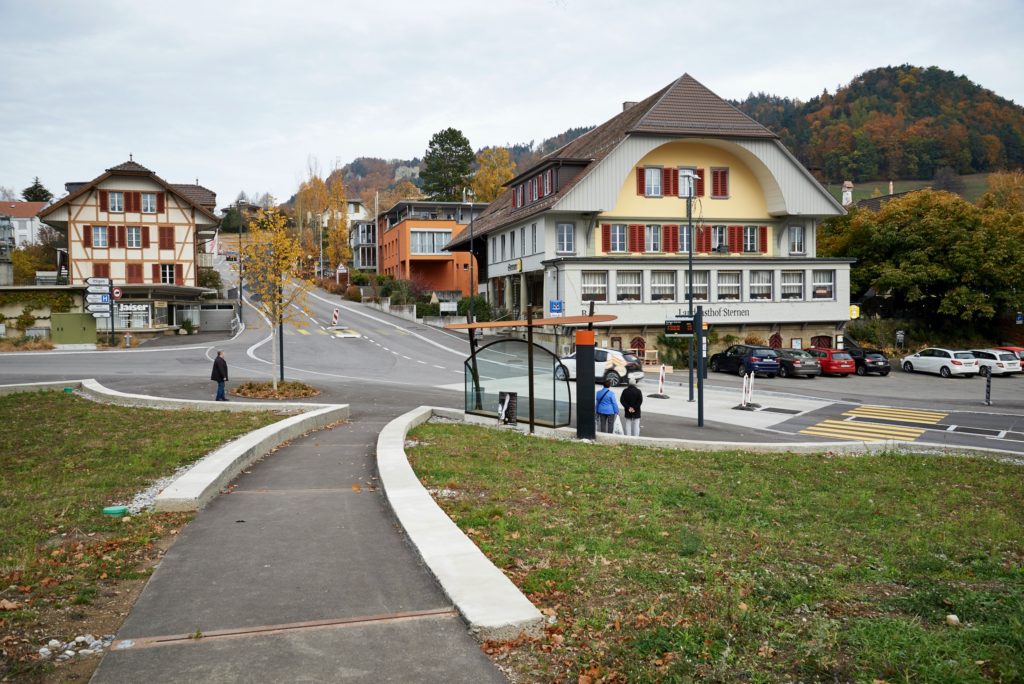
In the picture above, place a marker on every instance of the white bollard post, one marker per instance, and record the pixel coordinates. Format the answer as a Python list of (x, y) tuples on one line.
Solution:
[(661, 380)]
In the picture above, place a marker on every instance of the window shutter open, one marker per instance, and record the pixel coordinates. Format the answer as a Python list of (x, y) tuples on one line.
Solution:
[(137, 201), (698, 190), (87, 236), (104, 200), (179, 274), (703, 239), (762, 240), (606, 238), (156, 273), (735, 239), (145, 238), (640, 180), (122, 240), (666, 182), (670, 238), (159, 202), (636, 238)]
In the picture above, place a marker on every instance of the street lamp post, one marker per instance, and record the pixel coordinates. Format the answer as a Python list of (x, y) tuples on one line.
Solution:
[(687, 179), (471, 309)]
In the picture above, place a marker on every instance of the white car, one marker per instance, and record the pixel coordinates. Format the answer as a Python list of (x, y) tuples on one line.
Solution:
[(996, 362), (608, 365), (945, 362)]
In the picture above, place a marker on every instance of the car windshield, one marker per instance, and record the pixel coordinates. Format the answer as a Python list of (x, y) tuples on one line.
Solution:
[(875, 355), (963, 355), (764, 353), (1007, 357), (799, 354), (842, 356)]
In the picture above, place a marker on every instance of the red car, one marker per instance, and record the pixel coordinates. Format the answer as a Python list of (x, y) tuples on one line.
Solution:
[(834, 361)]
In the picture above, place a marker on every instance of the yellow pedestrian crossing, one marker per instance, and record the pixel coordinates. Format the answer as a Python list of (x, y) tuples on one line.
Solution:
[(862, 431), (303, 331), (903, 415)]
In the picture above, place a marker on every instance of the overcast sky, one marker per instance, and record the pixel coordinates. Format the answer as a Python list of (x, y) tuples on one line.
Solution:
[(241, 94)]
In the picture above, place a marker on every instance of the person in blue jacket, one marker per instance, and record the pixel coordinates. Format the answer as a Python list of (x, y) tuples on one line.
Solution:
[(607, 407)]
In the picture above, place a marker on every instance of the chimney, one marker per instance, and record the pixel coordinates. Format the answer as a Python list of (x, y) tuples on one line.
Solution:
[(847, 193), (628, 105)]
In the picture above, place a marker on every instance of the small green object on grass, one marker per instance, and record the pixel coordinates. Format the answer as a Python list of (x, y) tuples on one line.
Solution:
[(69, 390), (115, 511)]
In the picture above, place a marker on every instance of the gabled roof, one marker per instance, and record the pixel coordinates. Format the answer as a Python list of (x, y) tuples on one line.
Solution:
[(197, 194), (683, 108), (133, 168), (875, 203), (20, 210)]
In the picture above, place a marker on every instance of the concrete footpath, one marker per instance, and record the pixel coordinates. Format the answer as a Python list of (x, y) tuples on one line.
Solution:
[(299, 573)]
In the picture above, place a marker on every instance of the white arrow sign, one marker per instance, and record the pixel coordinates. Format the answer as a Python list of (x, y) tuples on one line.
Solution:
[(97, 281), (101, 314), (98, 289), (97, 298), (98, 307)]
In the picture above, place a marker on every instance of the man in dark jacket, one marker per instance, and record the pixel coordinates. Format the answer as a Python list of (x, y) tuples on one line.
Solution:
[(631, 399), (220, 375)]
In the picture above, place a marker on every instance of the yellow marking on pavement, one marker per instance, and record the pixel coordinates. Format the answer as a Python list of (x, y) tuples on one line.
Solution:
[(303, 331), (321, 331), (903, 415), (862, 432)]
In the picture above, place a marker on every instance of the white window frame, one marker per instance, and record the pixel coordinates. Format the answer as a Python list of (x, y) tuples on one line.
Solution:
[(115, 202), (719, 232), (100, 237), (547, 182), (512, 243), (149, 203), (494, 250), (797, 240), (721, 285), (565, 238), (435, 246), (133, 237), (503, 247), (522, 241), (652, 181), (533, 237), (684, 239), (534, 185), (701, 286), (167, 274), (684, 181), (751, 237), (794, 289), (632, 291), (617, 237), (652, 238), (818, 280), (597, 289), (663, 289), (761, 285)]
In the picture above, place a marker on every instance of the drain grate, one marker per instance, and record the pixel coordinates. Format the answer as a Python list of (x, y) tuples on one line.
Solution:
[(773, 409)]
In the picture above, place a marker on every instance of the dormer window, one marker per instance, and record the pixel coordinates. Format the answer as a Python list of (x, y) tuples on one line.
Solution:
[(547, 182), (115, 201)]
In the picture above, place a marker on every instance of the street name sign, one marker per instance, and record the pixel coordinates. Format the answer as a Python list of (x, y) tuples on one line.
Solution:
[(94, 308), (97, 281), (101, 314), (98, 289), (97, 298)]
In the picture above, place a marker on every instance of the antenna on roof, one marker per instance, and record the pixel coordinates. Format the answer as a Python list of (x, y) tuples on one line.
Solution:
[(197, 180), (130, 157)]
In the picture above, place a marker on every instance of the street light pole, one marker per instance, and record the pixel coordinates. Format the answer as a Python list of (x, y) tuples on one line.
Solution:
[(471, 313), (689, 178)]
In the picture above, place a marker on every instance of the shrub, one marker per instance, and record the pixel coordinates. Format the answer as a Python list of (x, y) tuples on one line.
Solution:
[(210, 277), (26, 320), (755, 340), (354, 294), (359, 278), (187, 326), (481, 309), (424, 310)]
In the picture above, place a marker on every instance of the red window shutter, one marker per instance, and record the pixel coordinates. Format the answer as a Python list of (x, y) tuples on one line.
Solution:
[(127, 205), (636, 238), (735, 239), (640, 181), (725, 182), (104, 200), (137, 201), (156, 273), (762, 240), (87, 236), (666, 182), (179, 274), (606, 238), (670, 238), (698, 190), (145, 239), (159, 202), (122, 240), (703, 239)]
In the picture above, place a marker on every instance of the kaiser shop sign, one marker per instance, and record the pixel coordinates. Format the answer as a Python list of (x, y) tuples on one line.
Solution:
[(98, 289), (97, 281)]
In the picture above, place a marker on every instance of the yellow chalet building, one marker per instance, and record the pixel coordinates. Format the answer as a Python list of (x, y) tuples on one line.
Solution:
[(602, 220), (143, 233)]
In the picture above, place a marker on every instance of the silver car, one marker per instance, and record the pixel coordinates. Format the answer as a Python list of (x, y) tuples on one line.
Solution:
[(996, 362)]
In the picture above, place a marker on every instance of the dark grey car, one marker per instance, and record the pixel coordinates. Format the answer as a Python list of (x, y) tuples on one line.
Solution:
[(797, 363)]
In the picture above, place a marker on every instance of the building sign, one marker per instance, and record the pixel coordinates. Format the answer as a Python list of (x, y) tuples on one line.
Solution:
[(556, 306), (516, 266), (128, 308), (725, 312)]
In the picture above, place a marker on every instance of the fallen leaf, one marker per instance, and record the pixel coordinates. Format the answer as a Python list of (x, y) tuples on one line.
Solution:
[(585, 679), (742, 606), (9, 605), (356, 487)]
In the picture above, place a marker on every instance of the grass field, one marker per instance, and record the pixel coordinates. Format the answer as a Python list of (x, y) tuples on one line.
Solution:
[(665, 565), (62, 459), (975, 186)]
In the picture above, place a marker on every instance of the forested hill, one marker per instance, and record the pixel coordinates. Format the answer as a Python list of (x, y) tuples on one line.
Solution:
[(902, 122)]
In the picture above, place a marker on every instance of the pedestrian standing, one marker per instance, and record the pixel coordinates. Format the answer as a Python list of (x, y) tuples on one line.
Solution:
[(220, 375), (607, 408), (631, 399)]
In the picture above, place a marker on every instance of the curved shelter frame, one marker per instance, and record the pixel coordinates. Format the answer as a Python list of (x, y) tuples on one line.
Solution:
[(504, 366)]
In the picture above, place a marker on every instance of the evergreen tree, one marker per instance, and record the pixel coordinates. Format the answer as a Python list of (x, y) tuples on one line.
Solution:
[(36, 192), (447, 165)]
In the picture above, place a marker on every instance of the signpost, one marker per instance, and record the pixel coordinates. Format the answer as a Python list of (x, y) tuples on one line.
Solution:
[(101, 292), (692, 327), (97, 299)]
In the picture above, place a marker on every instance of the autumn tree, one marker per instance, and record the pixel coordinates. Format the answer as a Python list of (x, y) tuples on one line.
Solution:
[(402, 190), (447, 165), (311, 205), (271, 255), (1005, 191), (495, 168), (338, 249), (36, 192)]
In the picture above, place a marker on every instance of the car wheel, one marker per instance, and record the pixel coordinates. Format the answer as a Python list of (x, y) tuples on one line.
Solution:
[(561, 373), (944, 372), (783, 372), (908, 367), (985, 370), (862, 371), (741, 371), (612, 378), (884, 373), (714, 365)]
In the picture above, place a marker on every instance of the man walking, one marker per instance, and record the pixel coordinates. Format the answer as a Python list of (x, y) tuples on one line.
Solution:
[(631, 399), (220, 375)]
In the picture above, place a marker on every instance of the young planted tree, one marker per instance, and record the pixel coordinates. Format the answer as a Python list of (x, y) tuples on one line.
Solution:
[(272, 255), (36, 192), (495, 169), (447, 165)]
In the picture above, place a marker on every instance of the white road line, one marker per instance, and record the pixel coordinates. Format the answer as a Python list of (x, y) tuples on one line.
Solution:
[(951, 428), (441, 367)]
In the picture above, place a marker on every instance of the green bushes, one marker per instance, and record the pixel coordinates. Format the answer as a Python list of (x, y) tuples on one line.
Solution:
[(353, 293)]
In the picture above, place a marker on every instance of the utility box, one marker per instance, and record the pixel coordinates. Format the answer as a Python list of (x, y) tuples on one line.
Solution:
[(72, 329)]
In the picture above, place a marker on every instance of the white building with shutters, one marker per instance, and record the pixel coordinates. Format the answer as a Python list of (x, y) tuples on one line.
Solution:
[(143, 233), (604, 220)]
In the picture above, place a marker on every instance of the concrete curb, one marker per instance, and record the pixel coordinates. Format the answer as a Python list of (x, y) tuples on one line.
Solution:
[(490, 603), (200, 483)]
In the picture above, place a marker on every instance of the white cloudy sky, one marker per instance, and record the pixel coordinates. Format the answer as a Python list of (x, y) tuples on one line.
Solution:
[(241, 94)]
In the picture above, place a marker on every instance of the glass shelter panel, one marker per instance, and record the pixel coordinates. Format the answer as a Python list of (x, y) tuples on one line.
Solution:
[(503, 367)]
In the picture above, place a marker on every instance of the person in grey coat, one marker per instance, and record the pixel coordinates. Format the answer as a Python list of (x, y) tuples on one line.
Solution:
[(220, 375), (631, 399)]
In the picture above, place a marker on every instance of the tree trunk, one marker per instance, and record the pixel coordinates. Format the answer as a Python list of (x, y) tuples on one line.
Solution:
[(273, 368)]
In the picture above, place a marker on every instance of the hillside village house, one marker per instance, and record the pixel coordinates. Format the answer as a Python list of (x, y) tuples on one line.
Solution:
[(143, 233), (603, 220), (24, 219)]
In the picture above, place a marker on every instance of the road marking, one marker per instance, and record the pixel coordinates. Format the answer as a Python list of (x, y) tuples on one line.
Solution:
[(904, 415), (863, 432), (441, 367), (303, 331)]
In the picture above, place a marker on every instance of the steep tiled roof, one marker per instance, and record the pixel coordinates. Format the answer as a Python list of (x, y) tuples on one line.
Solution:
[(20, 210), (197, 194), (684, 108), (129, 166), (875, 203)]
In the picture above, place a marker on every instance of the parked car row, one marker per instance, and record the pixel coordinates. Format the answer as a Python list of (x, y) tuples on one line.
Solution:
[(753, 359)]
